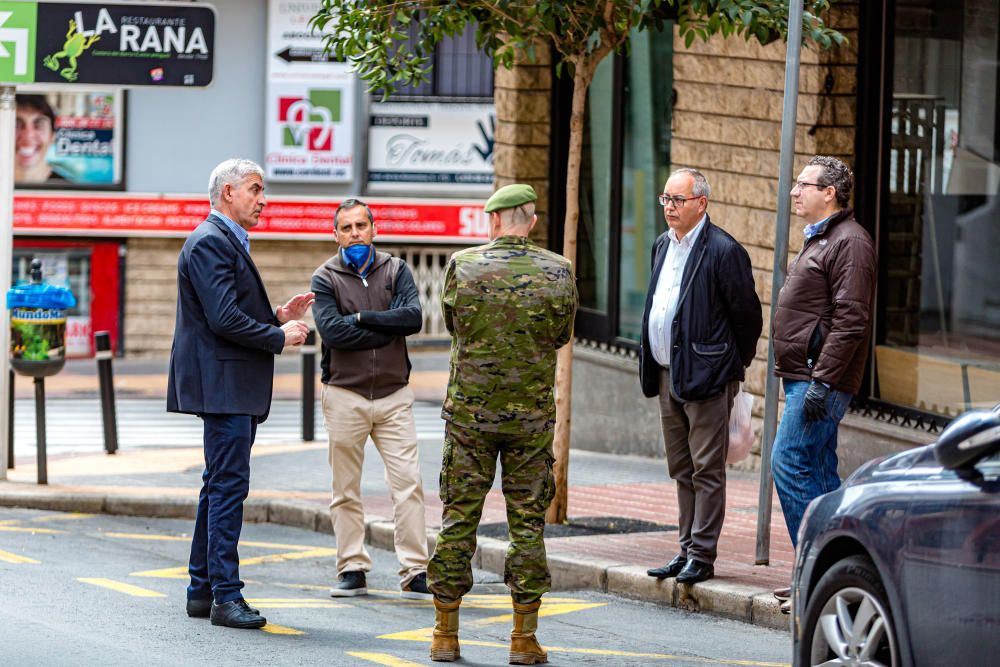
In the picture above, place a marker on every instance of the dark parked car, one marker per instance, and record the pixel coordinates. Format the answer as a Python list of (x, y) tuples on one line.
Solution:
[(901, 565)]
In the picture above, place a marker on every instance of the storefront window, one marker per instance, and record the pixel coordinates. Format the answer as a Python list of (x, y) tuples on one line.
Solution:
[(626, 155), (646, 161), (938, 348), (595, 192)]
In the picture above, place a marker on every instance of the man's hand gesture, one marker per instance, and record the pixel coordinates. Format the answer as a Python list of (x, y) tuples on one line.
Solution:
[(296, 307), (295, 332)]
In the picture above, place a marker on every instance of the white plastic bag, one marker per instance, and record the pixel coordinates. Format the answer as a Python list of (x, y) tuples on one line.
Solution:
[(741, 435)]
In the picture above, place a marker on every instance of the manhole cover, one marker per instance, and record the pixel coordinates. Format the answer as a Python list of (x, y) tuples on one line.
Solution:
[(582, 526)]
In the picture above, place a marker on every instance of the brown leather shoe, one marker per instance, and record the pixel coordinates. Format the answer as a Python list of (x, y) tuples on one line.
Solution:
[(783, 593), (444, 642), (524, 648), (786, 607)]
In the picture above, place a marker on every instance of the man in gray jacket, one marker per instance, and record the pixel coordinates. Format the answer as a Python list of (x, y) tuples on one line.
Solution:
[(366, 304)]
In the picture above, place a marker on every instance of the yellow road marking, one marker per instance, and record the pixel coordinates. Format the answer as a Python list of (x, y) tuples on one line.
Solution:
[(146, 536), (424, 634), (121, 587), (8, 557), (492, 601), (68, 516), (30, 529), (319, 552), (569, 605), (281, 630), (295, 603), (180, 572), (384, 659), (181, 538), (9, 522), (279, 545)]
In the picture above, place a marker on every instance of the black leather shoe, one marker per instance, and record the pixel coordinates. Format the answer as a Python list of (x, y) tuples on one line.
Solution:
[(203, 608), (199, 608), (237, 614), (671, 569), (695, 571)]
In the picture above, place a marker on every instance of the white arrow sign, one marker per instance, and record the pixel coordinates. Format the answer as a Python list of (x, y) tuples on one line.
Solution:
[(20, 38)]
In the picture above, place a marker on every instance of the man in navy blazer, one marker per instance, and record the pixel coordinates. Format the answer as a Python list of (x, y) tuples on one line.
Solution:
[(699, 332), (221, 369)]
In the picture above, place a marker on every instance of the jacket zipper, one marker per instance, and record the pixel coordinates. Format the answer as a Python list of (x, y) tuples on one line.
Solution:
[(371, 386)]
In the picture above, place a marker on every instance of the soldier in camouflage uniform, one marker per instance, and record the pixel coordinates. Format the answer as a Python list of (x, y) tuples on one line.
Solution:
[(509, 305)]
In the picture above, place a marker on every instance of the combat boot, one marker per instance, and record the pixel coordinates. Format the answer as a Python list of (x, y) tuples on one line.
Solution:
[(444, 644), (524, 648)]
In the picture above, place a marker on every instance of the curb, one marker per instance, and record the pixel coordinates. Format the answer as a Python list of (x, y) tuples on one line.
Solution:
[(718, 598)]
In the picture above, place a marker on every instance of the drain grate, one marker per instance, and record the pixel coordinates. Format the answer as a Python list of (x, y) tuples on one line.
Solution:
[(584, 526)]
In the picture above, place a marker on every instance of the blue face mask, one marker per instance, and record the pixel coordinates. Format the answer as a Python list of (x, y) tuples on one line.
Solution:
[(357, 255)]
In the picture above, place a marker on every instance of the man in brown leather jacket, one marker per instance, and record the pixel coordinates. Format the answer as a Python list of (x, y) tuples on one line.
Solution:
[(821, 325)]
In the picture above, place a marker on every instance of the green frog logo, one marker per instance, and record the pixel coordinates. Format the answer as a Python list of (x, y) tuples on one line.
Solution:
[(76, 44)]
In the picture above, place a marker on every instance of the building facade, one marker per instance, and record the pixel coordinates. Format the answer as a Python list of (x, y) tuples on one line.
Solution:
[(129, 170), (910, 101)]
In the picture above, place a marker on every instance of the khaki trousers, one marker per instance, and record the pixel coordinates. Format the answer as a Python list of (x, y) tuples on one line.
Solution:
[(350, 419), (696, 438)]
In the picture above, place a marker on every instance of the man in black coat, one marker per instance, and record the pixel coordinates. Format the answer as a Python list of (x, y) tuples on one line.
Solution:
[(221, 369), (699, 333)]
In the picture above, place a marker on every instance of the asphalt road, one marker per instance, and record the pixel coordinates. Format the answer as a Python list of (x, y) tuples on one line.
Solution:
[(104, 590)]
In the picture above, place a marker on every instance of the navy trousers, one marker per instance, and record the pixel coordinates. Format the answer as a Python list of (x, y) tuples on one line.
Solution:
[(215, 564)]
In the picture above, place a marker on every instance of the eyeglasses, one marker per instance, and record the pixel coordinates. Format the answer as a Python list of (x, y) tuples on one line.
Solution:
[(801, 184), (677, 200)]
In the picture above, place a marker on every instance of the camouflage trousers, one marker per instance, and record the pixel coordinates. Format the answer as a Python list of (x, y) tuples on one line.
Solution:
[(468, 467)]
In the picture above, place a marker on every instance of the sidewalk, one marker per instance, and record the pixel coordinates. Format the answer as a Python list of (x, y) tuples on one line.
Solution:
[(290, 485)]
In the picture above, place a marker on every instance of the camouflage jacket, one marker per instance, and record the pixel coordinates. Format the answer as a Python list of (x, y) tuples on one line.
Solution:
[(509, 305)]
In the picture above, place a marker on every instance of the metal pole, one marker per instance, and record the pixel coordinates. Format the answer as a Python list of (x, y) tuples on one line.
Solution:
[(792, 58), (10, 423), (8, 113), (41, 463), (102, 346), (309, 387)]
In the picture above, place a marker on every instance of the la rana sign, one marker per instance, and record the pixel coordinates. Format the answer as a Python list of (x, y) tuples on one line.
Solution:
[(146, 44)]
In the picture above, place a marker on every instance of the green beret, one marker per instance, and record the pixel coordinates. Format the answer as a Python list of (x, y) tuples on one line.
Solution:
[(510, 196)]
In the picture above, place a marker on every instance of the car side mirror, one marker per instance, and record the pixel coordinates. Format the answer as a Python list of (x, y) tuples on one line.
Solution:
[(968, 440)]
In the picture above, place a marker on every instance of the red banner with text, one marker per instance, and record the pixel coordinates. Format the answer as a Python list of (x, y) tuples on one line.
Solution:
[(426, 221)]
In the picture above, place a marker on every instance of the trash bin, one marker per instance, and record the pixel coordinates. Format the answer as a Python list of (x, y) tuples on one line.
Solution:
[(38, 325)]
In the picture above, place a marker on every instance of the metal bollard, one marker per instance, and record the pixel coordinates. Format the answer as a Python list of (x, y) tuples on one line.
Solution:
[(10, 423), (41, 461), (103, 354), (309, 387)]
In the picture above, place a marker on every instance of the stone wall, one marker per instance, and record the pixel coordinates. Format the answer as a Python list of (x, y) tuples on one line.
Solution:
[(727, 124), (606, 388), (522, 97)]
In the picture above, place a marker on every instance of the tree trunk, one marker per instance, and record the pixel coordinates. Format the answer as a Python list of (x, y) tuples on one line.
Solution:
[(583, 72)]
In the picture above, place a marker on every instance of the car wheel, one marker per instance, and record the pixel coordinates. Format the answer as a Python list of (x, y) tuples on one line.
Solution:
[(847, 619)]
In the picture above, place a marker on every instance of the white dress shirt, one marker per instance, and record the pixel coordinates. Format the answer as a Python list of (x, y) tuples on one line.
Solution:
[(668, 290)]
